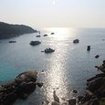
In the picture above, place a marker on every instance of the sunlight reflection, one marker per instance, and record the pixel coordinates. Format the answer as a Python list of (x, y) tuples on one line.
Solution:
[(61, 33), (56, 77)]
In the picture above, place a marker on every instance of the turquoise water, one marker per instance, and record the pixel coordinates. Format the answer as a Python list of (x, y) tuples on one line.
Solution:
[(65, 69)]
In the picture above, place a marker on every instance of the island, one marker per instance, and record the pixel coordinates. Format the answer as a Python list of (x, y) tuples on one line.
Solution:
[(13, 30), (34, 43), (45, 35), (76, 41)]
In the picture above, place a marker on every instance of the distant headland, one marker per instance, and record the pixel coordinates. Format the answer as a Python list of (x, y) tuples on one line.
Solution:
[(13, 30)]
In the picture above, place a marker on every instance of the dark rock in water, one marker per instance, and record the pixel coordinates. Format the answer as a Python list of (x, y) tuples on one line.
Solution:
[(90, 79), (24, 89), (40, 84), (88, 48), (12, 41), (95, 77), (45, 35), (76, 41), (42, 70), (52, 33), (95, 84), (100, 75), (72, 102), (75, 91), (97, 56), (103, 61), (20, 88), (34, 43), (49, 50), (38, 36)]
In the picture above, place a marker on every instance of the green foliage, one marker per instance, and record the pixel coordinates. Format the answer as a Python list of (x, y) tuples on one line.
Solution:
[(9, 30)]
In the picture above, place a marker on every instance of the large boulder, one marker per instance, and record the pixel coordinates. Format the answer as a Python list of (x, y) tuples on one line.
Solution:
[(23, 85), (95, 84), (27, 76), (76, 41), (34, 43), (24, 89)]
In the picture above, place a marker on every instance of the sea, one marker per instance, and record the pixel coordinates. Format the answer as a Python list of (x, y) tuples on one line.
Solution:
[(64, 70)]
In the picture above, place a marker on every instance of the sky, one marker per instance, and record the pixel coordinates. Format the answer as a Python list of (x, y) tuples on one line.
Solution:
[(54, 13)]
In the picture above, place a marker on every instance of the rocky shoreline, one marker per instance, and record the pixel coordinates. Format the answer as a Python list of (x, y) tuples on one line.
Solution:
[(25, 83), (95, 91), (20, 88), (13, 30)]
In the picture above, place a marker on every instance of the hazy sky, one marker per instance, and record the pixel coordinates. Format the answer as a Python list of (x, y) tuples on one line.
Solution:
[(62, 13)]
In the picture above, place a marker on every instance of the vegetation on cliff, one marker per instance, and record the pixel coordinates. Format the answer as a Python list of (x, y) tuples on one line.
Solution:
[(10, 30)]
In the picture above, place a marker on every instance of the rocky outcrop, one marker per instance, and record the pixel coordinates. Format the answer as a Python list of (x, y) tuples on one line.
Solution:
[(88, 48), (52, 33), (23, 85), (76, 41), (95, 91), (101, 67), (72, 102), (34, 43), (97, 56), (45, 35), (10, 30)]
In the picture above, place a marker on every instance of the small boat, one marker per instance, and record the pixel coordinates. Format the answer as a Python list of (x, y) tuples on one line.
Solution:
[(12, 41), (38, 36), (49, 50), (88, 48), (34, 43), (52, 33), (45, 35)]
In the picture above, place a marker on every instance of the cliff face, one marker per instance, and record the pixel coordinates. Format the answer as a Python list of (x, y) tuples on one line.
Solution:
[(10, 30)]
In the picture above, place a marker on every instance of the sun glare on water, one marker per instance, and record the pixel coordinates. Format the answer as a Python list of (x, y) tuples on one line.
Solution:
[(55, 78), (61, 33)]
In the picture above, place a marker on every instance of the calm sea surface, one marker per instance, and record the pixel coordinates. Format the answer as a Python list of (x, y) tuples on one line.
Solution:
[(66, 69)]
